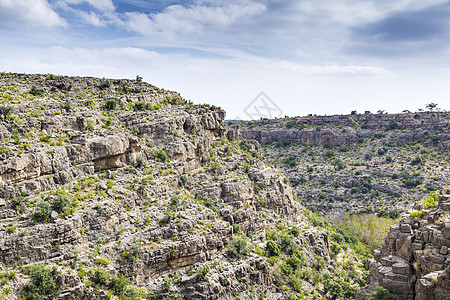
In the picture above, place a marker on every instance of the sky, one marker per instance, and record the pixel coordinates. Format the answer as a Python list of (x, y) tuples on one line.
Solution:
[(267, 58)]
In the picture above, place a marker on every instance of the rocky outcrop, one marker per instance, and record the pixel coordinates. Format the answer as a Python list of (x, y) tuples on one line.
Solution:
[(347, 130), (414, 262), (132, 179)]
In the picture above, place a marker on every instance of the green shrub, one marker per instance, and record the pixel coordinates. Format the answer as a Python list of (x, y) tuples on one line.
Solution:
[(294, 262), (101, 276), (285, 268), (167, 284), (285, 242), (60, 202), (110, 104), (37, 91), (416, 215), (140, 162), (337, 237), (141, 105), (236, 228), (168, 216), (104, 84), (369, 229), (335, 249), (272, 248), (67, 105), (295, 231), (380, 294), (160, 155), (16, 203), (430, 200), (118, 284), (244, 145), (320, 263), (238, 247), (416, 160), (41, 284), (42, 212), (130, 256), (134, 293), (102, 261), (412, 182), (290, 161), (5, 111), (201, 273)]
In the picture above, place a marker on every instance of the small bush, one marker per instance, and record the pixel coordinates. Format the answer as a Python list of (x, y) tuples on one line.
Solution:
[(335, 249), (140, 162), (118, 284), (160, 155), (141, 105), (42, 212), (168, 216), (60, 202), (412, 182), (295, 231), (431, 200), (320, 263), (272, 248), (244, 145), (416, 215), (5, 111), (110, 104), (101, 276), (380, 294), (201, 273), (416, 161), (238, 247), (37, 91), (41, 284), (16, 203), (102, 261), (167, 284), (104, 84), (130, 256), (295, 262)]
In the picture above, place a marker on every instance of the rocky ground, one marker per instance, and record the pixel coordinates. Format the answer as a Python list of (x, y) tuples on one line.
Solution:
[(116, 189)]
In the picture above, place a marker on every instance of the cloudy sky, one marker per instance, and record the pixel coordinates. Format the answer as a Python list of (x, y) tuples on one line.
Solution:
[(307, 56)]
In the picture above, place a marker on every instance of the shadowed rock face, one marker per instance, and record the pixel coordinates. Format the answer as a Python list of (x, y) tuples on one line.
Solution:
[(414, 260)]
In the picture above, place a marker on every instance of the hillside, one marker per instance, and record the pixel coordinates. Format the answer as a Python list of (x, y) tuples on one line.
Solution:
[(365, 163), (116, 189)]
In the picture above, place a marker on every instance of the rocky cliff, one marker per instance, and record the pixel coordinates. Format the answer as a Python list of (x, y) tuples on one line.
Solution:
[(347, 130), (414, 261), (371, 163), (119, 189)]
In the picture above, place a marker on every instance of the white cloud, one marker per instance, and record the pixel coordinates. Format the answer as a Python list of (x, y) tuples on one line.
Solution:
[(29, 13), (103, 5), (91, 18), (193, 19), (352, 12), (334, 69)]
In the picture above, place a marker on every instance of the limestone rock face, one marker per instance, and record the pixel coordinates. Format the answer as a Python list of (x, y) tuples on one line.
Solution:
[(414, 260), (302, 129), (123, 176)]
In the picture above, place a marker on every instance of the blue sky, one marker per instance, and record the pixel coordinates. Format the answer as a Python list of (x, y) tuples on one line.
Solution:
[(323, 57)]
